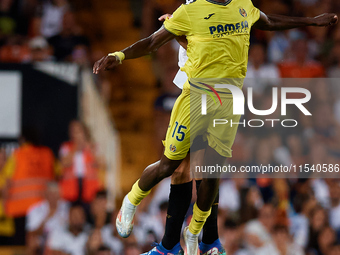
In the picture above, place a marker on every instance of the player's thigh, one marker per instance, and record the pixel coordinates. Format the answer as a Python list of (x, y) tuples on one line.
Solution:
[(177, 141), (221, 137), (197, 160), (185, 172)]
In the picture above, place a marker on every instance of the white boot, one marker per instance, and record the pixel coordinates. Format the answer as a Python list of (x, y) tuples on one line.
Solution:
[(124, 221), (191, 242)]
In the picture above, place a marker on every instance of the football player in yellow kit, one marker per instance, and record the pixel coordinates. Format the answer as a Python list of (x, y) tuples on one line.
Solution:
[(218, 33)]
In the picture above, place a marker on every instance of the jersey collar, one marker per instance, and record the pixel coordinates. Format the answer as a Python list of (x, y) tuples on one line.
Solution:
[(219, 3)]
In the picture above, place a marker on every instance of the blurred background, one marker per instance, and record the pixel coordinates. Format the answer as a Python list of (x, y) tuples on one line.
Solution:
[(71, 143)]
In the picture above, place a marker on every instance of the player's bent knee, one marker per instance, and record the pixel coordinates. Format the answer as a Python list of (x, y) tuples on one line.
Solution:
[(167, 167), (165, 171), (182, 173), (180, 177)]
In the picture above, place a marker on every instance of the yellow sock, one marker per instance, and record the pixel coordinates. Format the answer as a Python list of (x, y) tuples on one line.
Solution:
[(136, 195), (198, 219)]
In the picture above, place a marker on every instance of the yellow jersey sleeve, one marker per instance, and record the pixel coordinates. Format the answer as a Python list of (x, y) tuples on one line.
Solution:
[(179, 24), (254, 14)]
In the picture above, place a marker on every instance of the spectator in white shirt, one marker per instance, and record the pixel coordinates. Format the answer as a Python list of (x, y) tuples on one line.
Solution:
[(278, 46), (229, 195), (52, 17), (94, 242), (317, 220), (259, 74), (71, 240), (334, 213), (105, 222), (299, 222), (45, 216), (231, 238), (100, 238), (281, 244), (99, 215), (321, 191), (258, 232), (150, 228), (110, 240)]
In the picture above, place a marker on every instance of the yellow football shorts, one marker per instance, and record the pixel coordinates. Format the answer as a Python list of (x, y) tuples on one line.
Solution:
[(187, 122)]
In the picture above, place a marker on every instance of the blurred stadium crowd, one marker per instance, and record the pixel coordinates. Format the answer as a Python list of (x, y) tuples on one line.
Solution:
[(35, 30), (68, 214)]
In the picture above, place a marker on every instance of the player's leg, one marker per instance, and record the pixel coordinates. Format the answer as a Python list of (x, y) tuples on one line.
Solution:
[(152, 175), (177, 144), (220, 140), (210, 240), (179, 202), (207, 193)]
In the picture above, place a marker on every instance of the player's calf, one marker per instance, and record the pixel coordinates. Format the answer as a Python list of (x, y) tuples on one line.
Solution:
[(151, 176)]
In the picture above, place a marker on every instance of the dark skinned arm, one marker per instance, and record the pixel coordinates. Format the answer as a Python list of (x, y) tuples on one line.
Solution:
[(151, 44), (278, 22), (141, 48), (182, 40)]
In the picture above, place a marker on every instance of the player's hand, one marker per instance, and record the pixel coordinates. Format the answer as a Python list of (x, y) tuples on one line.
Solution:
[(164, 17), (105, 63), (326, 19)]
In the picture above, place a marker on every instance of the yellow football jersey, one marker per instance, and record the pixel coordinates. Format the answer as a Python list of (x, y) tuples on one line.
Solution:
[(218, 36)]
